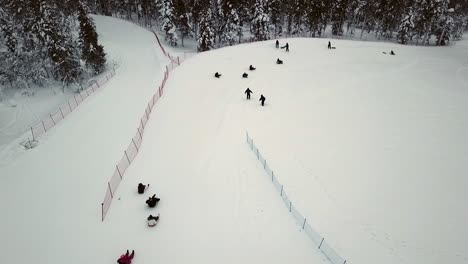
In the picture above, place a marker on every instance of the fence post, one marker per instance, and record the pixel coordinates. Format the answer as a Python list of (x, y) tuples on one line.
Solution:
[(142, 126), (247, 136), (135, 145), (127, 156), (43, 125), (81, 96), (69, 106), (178, 60), (120, 174), (52, 119), (281, 194), (138, 129), (321, 242), (61, 112), (258, 155), (110, 190), (32, 132), (159, 91), (290, 206), (303, 225), (74, 97), (272, 175), (102, 212), (264, 165)]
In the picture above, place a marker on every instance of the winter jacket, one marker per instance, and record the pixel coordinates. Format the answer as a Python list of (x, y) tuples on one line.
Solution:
[(126, 259), (141, 188)]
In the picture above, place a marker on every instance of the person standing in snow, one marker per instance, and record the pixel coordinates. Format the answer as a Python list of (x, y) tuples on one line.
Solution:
[(262, 99), (252, 68), (217, 75), (329, 45), (126, 259), (245, 75), (248, 92), (277, 44), (278, 61), (286, 46)]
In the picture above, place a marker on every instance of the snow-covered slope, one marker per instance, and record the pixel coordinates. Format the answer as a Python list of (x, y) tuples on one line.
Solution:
[(369, 146), (50, 196)]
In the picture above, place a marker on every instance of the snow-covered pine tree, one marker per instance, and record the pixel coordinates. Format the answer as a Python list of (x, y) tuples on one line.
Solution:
[(167, 24), (316, 13), (260, 21), (406, 27), (206, 35), (277, 17), (182, 19), (91, 52), (338, 16), (231, 21)]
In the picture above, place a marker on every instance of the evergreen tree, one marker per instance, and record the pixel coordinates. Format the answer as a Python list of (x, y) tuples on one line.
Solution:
[(168, 25), (206, 36), (338, 16), (182, 19), (91, 52), (406, 27), (260, 21)]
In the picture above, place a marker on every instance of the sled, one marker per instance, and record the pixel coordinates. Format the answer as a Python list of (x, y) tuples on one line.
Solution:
[(153, 224)]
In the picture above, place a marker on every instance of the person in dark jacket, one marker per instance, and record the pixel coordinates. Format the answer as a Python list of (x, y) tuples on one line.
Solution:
[(286, 46), (217, 75), (142, 188), (392, 53), (329, 45), (278, 61), (245, 75), (277, 44), (252, 68), (152, 220), (248, 92), (262, 99), (152, 201), (127, 258)]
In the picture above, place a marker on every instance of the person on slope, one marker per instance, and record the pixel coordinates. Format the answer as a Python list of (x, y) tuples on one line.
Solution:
[(152, 201), (142, 188), (262, 99), (329, 45), (126, 259), (286, 46), (152, 220), (245, 75), (278, 61), (217, 75), (392, 53), (252, 68), (248, 92), (277, 44)]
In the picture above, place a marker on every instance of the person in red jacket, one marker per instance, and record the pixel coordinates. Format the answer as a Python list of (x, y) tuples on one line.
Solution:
[(126, 259)]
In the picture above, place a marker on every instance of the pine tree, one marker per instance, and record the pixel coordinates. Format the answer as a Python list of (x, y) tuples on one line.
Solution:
[(260, 21), (168, 25), (91, 52), (182, 19), (406, 27), (206, 36), (338, 16)]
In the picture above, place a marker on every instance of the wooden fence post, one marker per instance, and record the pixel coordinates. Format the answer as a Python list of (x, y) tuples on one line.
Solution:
[(110, 190), (120, 174)]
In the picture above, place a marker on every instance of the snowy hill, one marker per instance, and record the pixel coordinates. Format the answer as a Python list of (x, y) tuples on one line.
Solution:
[(369, 146)]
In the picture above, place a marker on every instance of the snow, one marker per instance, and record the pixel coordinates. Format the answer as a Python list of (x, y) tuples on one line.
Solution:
[(370, 147)]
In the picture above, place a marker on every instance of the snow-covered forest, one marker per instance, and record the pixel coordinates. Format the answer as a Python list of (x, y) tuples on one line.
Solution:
[(216, 23), (47, 40)]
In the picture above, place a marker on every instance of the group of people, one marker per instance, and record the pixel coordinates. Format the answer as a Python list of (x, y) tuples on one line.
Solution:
[(151, 202)]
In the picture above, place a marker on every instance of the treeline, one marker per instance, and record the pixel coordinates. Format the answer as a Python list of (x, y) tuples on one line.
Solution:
[(223, 22), (42, 40)]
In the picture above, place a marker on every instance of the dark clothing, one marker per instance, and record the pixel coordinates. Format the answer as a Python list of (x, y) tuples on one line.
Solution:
[(262, 98), (217, 75), (278, 61), (248, 92), (141, 188), (277, 44), (329, 45), (287, 47), (392, 53), (150, 217), (245, 75), (252, 68), (152, 201)]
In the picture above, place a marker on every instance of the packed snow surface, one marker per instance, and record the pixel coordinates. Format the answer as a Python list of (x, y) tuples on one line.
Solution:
[(370, 147)]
